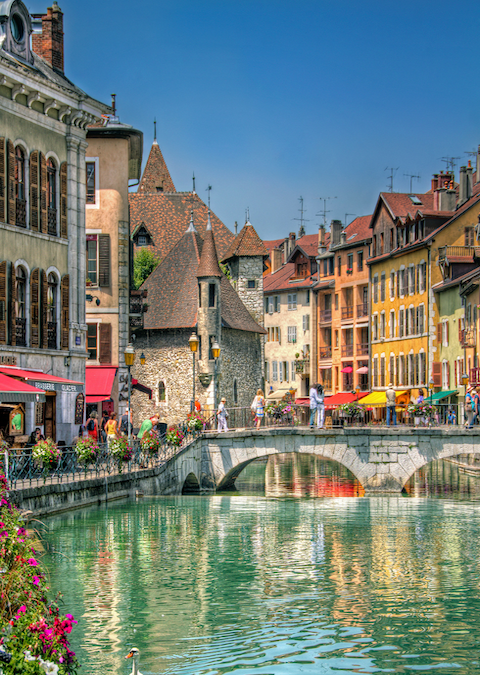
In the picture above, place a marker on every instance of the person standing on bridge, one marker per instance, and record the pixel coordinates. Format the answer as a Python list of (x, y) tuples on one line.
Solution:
[(320, 407), (258, 408), (314, 401), (391, 405), (222, 415)]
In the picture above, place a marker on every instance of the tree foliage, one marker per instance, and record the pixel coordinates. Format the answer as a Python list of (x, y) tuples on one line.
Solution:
[(144, 263)]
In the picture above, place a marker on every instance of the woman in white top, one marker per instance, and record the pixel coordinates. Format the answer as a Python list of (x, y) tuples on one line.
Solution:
[(258, 407)]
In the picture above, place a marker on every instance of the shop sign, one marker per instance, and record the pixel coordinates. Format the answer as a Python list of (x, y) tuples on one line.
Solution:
[(79, 406), (8, 360), (58, 386)]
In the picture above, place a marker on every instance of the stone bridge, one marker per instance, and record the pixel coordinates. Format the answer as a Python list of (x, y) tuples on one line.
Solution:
[(382, 459)]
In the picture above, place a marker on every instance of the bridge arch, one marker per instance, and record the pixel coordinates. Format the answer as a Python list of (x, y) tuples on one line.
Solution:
[(191, 486)]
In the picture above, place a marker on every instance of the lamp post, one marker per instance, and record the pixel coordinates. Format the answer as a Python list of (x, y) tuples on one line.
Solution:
[(215, 354), (357, 390), (431, 385), (193, 343), (129, 355)]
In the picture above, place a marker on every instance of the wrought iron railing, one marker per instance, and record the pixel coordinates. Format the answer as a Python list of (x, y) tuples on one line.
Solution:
[(21, 332), (52, 222), (347, 312), (347, 350), (52, 335), (325, 353), (362, 310), (362, 349), (325, 315)]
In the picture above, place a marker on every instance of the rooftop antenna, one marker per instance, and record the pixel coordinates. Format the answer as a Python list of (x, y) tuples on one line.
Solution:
[(451, 164), (392, 173), (346, 216), (411, 176), (236, 228), (193, 183), (155, 130), (247, 214), (209, 189), (471, 153), (114, 106), (301, 231), (324, 212)]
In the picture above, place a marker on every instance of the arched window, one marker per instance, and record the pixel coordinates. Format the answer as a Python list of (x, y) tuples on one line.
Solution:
[(20, 307), (161, 392), (52, 197), (52, 311), (20, 200)]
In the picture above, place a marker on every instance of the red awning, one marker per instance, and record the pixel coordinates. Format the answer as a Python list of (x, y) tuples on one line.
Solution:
[(302, 401), (99, 383), (340, 399), (14, 391), (25, 374), (347, 369)]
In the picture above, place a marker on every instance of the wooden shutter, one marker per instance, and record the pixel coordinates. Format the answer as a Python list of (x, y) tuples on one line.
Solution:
[(446, 330), (43, 194), (417, 320), (104, 260), (44, 311), (35, 308), (105, 347), (34, 190), (3, 181), (10, 164), (65, 311), (437, 373), (417, 368), (448, 376), (439, 332), (63, 201), (3, 303), (398, 283), (12, 307)]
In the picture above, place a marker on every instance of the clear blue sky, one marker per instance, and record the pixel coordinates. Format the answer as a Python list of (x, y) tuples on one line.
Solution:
[(267, 100)]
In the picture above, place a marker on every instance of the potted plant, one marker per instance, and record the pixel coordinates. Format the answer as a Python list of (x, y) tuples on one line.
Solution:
[(174, 436), (87, 450), (48, 453), (195, 421), (120, 451), (150, 443)]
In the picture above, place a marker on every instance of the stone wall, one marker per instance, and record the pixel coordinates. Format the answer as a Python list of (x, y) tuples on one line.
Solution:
[(241, 360), (247, 269)]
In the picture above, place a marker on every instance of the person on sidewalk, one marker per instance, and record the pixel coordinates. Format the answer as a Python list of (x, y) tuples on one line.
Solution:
[(391, 405), (470, 407), (92, 426), (111, 429), (258, 408), (147, 426), (320, 407), (314, 401), (222, 415)]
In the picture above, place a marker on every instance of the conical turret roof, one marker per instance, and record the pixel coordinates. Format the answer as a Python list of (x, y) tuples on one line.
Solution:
[(156, 176), (246, 243), (208, 265)]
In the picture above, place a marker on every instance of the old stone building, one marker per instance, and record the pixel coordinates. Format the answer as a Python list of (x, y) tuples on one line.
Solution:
[(44, 118)]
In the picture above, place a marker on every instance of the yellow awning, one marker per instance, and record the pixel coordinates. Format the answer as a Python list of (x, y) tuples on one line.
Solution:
[(378, 398), (279, 393)]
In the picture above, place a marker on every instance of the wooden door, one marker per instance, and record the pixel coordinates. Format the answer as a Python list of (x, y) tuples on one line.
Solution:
[(50, 415)]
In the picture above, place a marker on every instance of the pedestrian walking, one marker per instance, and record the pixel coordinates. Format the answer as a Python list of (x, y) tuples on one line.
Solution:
[(222, 415), (420, 399), (103, 433), (111, 428), (126, 420), (391, 405), (470, 407), (320, 407), (92, 425), (258, 408), (314, 400)]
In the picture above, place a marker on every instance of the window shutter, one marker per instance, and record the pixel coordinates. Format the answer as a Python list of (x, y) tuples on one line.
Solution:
[(35, 308), (417, 369), (63, 201), (417, 317), (446, 331), (43, 310), (447, 383), (43, 193), (460, 329), (105, 336), (3, 303), (13, 311), (456, 374), (439, 333), (34, 190), (65, 311), (3, 182), (279, 336), (10, 164), (104, 259), (437, 373)]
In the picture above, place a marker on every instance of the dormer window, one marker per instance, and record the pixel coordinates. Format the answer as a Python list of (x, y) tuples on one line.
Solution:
[(15, 30), (142, 240), (17, 27)]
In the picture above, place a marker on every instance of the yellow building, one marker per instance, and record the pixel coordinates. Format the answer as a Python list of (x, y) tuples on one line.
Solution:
[(417, 241)]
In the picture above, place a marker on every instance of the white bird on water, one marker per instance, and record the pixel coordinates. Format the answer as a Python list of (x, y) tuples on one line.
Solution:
[(135, 655)]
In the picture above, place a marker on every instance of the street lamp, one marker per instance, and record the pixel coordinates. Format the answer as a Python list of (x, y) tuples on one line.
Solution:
[(129, 355), (357, 391), (143, 358), (193, 342), (215, 354), (431, 385)]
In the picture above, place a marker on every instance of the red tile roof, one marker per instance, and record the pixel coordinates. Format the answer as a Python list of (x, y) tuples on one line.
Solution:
[(156, 176), (167, 215), (208, 265), (246, 244), (358, 230), (280, 280)]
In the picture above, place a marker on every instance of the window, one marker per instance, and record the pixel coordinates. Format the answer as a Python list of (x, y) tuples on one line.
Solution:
[(382, 325), (92, 341), (350, 263), (336, 338), (375, 327), (275, 371), (421, 319), (267, 371), (211, 295), (392, 285), (392, 323), (331, 264), (339, 264), (91, 182), (276, 303), (445, 333), (21, 307), (336, 301), (161, 392), (401, 323), (291, 334), (285, 370), (306, 322), (98, 260), (235, 391), (382, 371), (411, 280), (19, 173), (251, 283), (375, 289), (469, 236), (374, 252), (392, 240), (360, 261), (375, 372), (382, 287), (92, 259), (141, 240), (52, 197), (307, 298), (52, 299), (391, 374), (292, 301)]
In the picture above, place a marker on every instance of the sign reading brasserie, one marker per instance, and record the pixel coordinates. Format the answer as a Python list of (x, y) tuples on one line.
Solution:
[(57, 386)]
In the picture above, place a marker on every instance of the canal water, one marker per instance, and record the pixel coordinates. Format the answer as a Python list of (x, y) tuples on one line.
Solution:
[(297, 572)]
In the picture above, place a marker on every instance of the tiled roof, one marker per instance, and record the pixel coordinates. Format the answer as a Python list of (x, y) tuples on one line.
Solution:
[(309, 244), (208, 265), (280, 280), (156, 176), (247, 243), (173, 291), (358, 230), (273, 243), (401, 206), (167, 215)]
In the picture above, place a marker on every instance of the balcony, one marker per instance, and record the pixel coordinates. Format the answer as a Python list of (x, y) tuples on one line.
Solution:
[(21, 332), (302, 366), (325, 315), (325, 353), (347, 350), (362, 310), (52, 335), (467, 338), (347, 312), (446, 252), (362, 349), (474, 377)]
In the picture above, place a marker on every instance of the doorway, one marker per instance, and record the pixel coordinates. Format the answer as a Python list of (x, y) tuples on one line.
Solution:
[(50, 415)]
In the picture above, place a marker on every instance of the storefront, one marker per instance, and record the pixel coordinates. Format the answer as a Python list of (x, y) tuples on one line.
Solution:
[(14, 397), (99, 389)]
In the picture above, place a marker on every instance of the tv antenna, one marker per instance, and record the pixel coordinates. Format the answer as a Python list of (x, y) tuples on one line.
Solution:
[(393, 171), (301, 231), (411, 176), (346, 216), (209, 189), (451, 164), (324, 212)]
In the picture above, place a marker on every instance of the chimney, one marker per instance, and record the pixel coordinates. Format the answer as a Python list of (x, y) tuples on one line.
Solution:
[(321, 239), (469, 179), (466, 184), (47, 39), (275, 259), (336, 227), (444, 198)]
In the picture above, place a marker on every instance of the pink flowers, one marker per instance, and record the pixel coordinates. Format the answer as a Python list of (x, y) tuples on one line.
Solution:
[(32, 562), (36, 581)]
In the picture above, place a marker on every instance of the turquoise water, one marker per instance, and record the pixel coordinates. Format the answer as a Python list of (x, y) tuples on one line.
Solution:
[(271, 584)]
